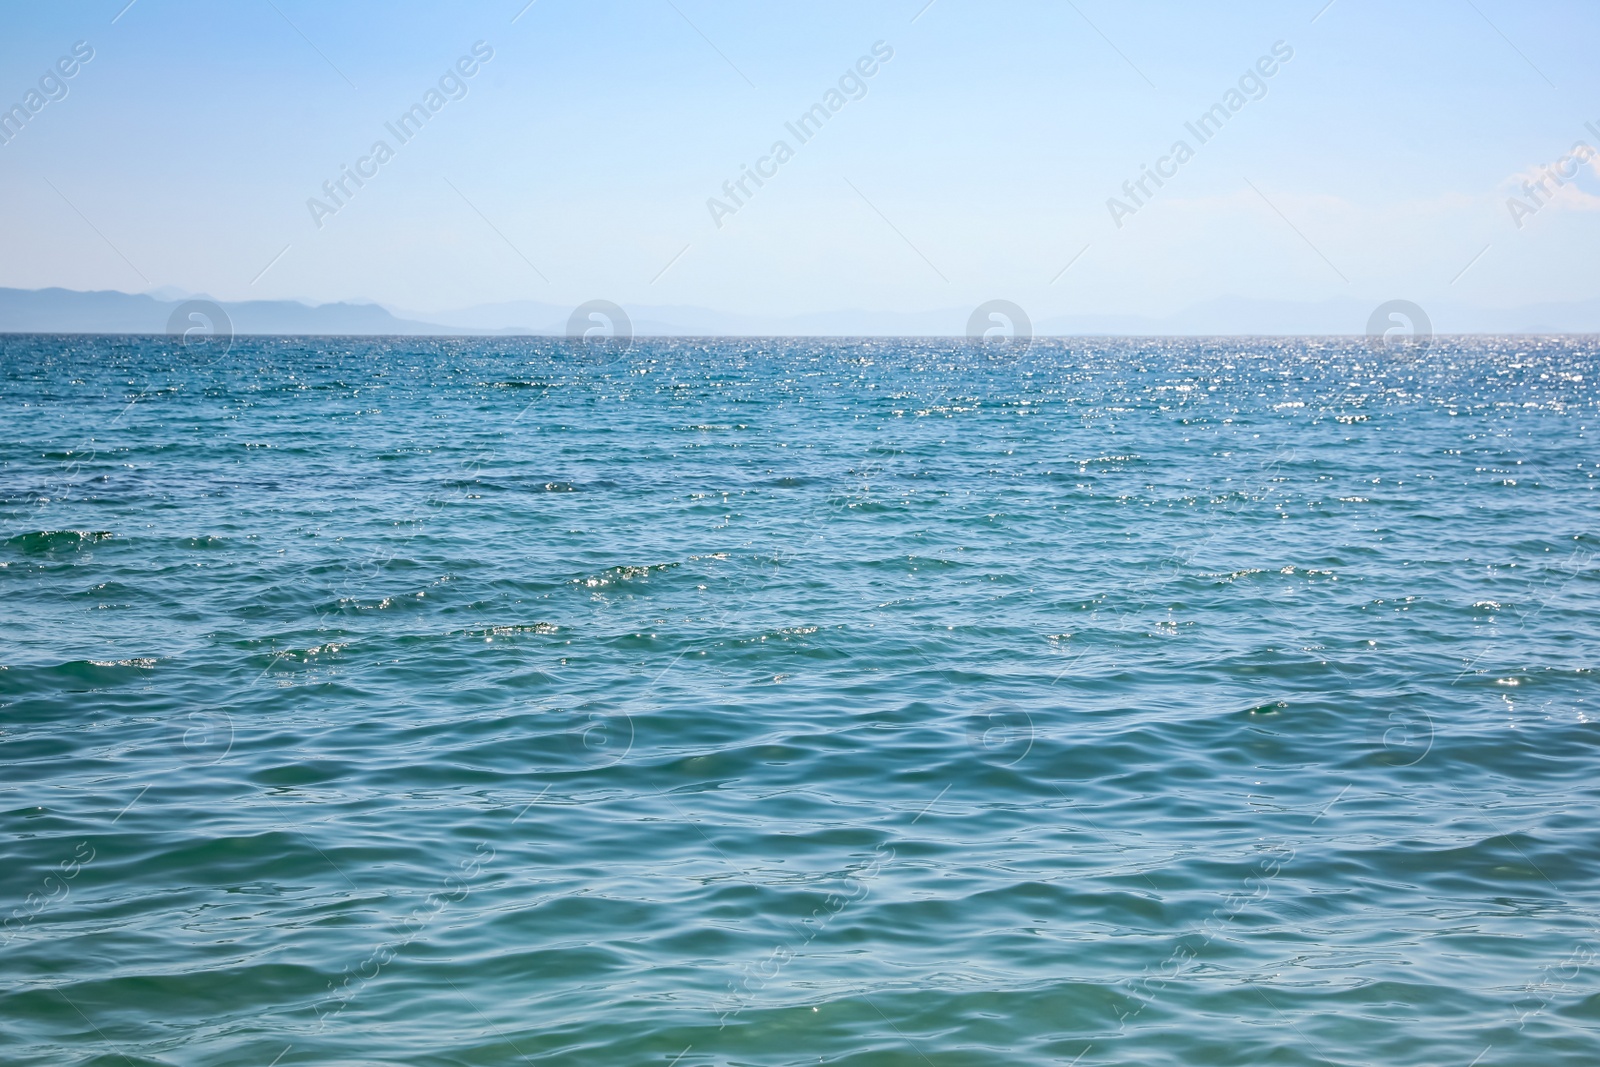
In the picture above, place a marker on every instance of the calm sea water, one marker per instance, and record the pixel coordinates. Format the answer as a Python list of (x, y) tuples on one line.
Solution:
[(753, 702)]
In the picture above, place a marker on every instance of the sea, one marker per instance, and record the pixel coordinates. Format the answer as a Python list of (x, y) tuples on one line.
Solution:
[(1163, 702)]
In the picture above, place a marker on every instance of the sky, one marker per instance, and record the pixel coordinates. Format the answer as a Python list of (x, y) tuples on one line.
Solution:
[(985, 155)]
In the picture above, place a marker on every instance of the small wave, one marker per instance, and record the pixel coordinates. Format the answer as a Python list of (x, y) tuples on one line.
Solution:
[(79, 675), (541, 628), (53, 540), (306, 655), (623, 574)]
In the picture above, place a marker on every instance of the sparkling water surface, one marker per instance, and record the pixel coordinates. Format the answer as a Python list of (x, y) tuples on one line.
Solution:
[(442, 702)]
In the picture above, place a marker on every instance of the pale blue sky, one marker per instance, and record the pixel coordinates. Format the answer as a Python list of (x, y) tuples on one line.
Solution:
[(977, 165)]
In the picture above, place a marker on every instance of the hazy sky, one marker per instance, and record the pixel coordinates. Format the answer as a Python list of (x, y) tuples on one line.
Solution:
[(976, 163)]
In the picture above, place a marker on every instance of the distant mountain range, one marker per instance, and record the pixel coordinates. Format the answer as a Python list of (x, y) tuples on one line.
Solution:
[(70, 311)]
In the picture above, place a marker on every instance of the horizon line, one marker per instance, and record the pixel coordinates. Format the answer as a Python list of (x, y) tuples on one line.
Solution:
[(498, 335)]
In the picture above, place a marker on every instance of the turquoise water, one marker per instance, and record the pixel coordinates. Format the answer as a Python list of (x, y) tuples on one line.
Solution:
[(748, 702)]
